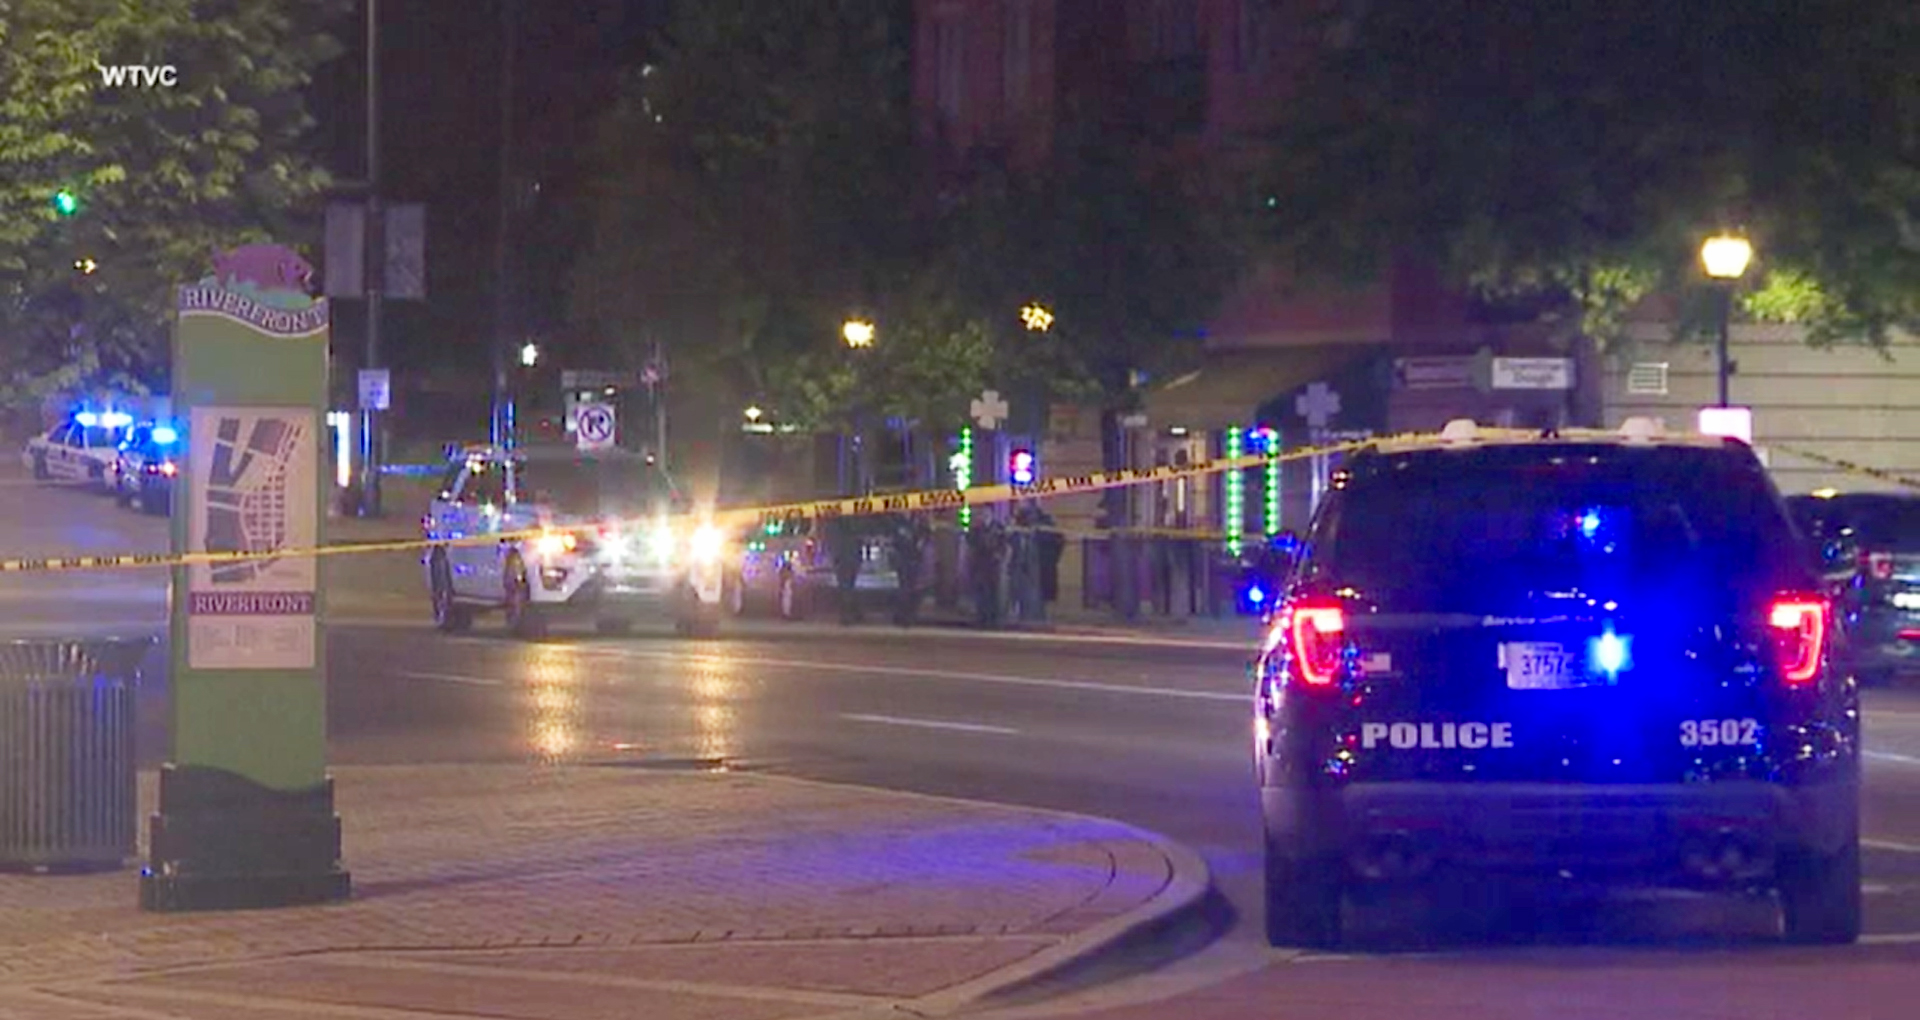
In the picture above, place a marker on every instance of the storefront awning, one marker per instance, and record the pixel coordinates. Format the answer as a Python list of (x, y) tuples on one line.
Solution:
[(1230, 386)]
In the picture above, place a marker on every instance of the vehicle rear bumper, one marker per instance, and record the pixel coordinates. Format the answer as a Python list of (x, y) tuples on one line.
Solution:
[(1696, 833), (1877, 644)]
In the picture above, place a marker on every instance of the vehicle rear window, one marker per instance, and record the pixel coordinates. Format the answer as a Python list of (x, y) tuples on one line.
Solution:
[(1445, 527), (1891, 524), (598, 486)]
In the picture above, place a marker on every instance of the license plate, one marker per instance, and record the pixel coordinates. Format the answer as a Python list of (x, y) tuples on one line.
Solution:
[(1533, 666)]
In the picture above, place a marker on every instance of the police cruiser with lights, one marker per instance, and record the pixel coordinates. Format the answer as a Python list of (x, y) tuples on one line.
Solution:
[(602, 536), (1597, 657)]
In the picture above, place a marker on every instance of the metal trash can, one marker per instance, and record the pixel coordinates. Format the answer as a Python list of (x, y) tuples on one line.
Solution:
[(68, 796)]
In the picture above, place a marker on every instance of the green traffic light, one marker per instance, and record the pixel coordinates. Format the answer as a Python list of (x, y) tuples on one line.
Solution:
[(65, 202)]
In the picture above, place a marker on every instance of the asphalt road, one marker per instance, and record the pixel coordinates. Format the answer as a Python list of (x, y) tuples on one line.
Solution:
[(1151, 733)]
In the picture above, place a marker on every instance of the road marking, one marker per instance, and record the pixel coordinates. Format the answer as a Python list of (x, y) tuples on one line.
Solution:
[(1903, 759), (931, 674), (454, 678), (1887, 844), (931, 724)]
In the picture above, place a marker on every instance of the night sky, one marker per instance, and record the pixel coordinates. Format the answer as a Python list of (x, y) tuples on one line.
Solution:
[(440, 111)]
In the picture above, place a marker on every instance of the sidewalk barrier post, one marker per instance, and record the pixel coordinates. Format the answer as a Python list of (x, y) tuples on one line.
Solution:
[(67, 781)]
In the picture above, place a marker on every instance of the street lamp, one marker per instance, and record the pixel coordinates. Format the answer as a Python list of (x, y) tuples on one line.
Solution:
[(1725, 257), (754, 413), (529, 355), (857, 333), (1036, 317)]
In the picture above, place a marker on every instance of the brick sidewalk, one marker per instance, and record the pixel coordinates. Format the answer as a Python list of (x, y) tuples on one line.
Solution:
[(508, 859)]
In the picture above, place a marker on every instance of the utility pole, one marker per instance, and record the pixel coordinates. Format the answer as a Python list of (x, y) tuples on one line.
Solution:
[(503, 325), (376, 264)]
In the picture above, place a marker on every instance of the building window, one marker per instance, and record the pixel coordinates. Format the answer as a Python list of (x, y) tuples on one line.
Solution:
[(950, 54), (1017, 62)]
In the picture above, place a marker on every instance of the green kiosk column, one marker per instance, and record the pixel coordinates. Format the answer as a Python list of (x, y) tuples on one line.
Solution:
[(246, 815)]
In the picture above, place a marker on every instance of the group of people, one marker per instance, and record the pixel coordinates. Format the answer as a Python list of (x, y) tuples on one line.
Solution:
[(1009, 563)]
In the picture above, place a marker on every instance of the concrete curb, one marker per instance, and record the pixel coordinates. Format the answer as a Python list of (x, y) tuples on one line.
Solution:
[(1189, 882)]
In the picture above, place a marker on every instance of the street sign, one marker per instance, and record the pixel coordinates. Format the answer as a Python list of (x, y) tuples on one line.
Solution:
[(1533, 373), (589, 379), (406, 240), (376, 389), (1317, 405), (1433, 373), (594, 428), (989, 410)]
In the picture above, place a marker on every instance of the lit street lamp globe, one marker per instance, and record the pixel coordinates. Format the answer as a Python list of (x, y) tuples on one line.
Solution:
[(1726, 256), (529, 355), (857, 333)]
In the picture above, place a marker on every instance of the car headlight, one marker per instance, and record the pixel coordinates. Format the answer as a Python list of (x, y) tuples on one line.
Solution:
[(554, 543), (660, 542), (707, 543)]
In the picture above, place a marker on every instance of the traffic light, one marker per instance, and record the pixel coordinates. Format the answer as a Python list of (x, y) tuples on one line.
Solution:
[(1020, 467), (65, 202)]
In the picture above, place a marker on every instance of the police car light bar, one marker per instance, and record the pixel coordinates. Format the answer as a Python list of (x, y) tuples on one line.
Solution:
[(1643, 429), (1728, 422)]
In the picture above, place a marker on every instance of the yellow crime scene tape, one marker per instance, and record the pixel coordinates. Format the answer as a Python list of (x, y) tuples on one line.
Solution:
[(818, 509), (926, 500), (1849, 466)]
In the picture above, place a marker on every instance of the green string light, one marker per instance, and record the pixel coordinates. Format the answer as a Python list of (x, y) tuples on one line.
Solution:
[(962, 464), (1233, 511)]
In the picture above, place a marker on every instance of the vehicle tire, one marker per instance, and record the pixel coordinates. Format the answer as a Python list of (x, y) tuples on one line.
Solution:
[(158, 504), (695, 620), (1303, 900), (789, 599), (613, 626), (524, 619), (449, 617), (736, 596), (40, 472), (1820, 897)]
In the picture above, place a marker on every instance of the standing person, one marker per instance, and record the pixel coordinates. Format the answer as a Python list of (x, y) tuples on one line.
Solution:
[(986, 552), (910, 535), (843, 545)]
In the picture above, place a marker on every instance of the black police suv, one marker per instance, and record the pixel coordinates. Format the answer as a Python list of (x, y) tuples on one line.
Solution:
[(1597, 655)]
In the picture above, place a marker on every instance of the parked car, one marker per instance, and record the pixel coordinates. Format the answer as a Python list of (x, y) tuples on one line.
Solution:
[(786, 568), (145, 466), (1867, 545), (80, 449)]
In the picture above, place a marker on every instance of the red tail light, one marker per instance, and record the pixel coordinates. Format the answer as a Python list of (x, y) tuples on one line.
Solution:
[(168, 469), (1798, 624), (1315, 632), (1877, 565)]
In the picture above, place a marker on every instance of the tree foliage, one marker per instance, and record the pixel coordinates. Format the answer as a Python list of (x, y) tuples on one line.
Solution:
[(1537, 146), (754, 196), (164, 175)]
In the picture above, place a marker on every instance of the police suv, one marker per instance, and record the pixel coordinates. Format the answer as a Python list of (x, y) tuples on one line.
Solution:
[(1597, 655), (602, 536)]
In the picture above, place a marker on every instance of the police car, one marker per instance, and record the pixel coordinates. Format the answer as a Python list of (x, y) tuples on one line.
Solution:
[(1591, 655), (145, 465), (601, 536), (80, 449)]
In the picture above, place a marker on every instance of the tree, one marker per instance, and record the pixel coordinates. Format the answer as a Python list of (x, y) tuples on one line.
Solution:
[(754, 196), (160, 176), (1130, 250), (1536, 147)]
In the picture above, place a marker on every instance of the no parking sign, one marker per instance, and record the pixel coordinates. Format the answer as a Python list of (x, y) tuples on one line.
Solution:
[(594, 427)]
